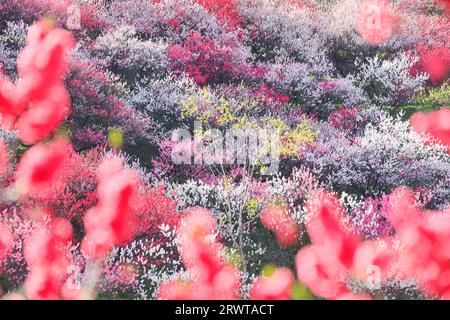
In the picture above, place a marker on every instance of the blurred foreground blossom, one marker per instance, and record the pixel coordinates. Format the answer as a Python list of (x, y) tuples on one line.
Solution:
[(210, 276), (277, 218), (437, 124), (37, 104), (111, 221), (276, 286), (41, 166), (376, 21)]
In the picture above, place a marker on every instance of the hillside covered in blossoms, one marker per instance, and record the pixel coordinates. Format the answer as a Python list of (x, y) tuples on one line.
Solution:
[(224, 149)]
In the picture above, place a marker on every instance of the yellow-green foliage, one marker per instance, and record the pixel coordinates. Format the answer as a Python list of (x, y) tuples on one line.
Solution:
[(224, 113), (207, 107)]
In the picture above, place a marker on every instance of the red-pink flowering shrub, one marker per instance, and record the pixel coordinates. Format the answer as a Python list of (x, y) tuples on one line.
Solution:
[(434, 60), (206, 60), (370, 219), (99, 104), (345, 118), (336, 254)]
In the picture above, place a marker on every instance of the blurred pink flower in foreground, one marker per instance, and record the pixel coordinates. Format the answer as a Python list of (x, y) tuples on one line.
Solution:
[(6, 242), (376, 21), (111, 221), (276, 286), (276, 218), (41, 166), (49, 260), (210, 276), (3, 157), (37, 104), (437, 124)]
